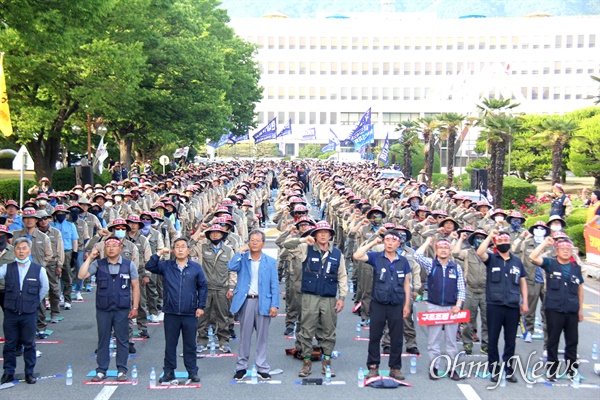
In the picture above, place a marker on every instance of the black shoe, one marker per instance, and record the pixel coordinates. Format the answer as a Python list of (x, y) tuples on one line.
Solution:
[(132, 349), (413, 350), (144, 334), (239, 375), (30, 379), (7, 379), (512, 378), (264, 376), (288, 331), (167, 377), (232, 333), (433, 374), (494, 378), (454, 376), (386, 350), (194, 378)]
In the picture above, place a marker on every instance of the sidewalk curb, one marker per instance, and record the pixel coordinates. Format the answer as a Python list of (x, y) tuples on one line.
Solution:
[(592, 271)]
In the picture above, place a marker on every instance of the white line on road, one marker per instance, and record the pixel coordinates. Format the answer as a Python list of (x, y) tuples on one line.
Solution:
[(468, 391), (106, 392), (591, 290)]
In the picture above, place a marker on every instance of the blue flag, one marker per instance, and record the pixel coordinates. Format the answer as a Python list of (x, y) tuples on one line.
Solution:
[(269, 132), (363, 125), (363, 152), (330, 147), (222, 141), (366, 137), (287, 129), (385, 151), (236, 139), (310, 134), (333, 137)]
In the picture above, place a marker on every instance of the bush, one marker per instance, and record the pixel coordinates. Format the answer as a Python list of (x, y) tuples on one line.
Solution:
[(577, 217), (9, 189), (6, 163), (576, 233), (64, 179), (516, 189), (532, 220)]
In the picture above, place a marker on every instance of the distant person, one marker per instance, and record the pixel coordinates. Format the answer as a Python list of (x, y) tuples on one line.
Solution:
[(593, 205), (561, 204)]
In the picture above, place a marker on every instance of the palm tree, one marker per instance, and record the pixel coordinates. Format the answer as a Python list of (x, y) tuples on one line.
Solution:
[(451, 123), (556, 132), (410, 138), (428, 126)]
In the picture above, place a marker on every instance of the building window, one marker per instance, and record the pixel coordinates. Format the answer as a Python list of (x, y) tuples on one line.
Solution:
[(365, 68), (557, 92), (449, 43), (579, 71), (592, 42), (417, 94), (281, 40), (568, 93), (322, 93), (313, 43), (292, 43), (323, 43), (406, 68), (449, 68), (503, 42), (386, 43), (281, 93), (568, 70), (580, 41), (270, 115), (365, 43), (438, 68), (385, 93), (290, 149), (546, 93), (364, 93), (391, 118), (312, 93), (281, 117), (471, 41), (323, 68), (546, 70), (428, 43), (332, 93), (333, 118), (270, 92), (355, 42), (344, 43), (418, 43), (344, 93), (396, 68), (312, 118), (375, 42), (271, 41), (354, 94), (302, 43), (460, 43), (261, 117), (375, 93), (333, 68), (375, 69), (292, 116), (302, 118), (302, 68), (386, 68), (397, 43), (569, 42), (557, 67), (261, 42), (557, 42), (407, 43), (271, 67), (344, 68), (396, 94), (313, 68), (322, 118), (417, 68), (439, 43), (281, 68), (334, 43), (292, 68), (354, 68), (302, 93), (515, 42), (291, 93), (493, 43)]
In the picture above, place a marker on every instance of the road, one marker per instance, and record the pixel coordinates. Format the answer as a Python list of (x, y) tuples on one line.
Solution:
[(77, 333)]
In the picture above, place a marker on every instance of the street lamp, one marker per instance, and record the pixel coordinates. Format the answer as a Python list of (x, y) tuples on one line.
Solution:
[(97, 126)]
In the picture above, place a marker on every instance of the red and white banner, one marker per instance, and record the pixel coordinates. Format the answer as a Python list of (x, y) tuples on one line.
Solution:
[(443, 317), (592, 245)]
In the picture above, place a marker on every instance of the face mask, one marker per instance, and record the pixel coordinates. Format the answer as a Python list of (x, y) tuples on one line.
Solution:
[(515, 224), (216, 242), (539, 233), (108, 204), (78, 192), (19, 261), (89, 191), (414, 205), (120, 187), (173, 198), (109, 190), (97, 213), (74, 215), (3, 241), (147, 224), (556, 227), (422, 189), (120, 234), (499, 218), (118, 199), (168, 213), (42, 203), (477, 242), (503, 248), (60, 218), (394, 195)]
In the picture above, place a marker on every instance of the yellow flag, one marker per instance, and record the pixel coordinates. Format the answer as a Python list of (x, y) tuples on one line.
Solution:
[(5, 125)]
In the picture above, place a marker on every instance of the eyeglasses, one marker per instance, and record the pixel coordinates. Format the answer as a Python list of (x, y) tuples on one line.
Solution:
[(120, 228)]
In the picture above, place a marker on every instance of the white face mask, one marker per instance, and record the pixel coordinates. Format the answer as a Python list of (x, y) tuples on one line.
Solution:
[(78, 192), (89, 191), (556, 227), (118, 199), (108, 204), (42, 202), (538, 235), (120, 187), (499, 218), (109, 190)]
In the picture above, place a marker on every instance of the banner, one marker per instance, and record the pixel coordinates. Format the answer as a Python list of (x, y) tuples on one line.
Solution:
[(287, 129), (101, 154), (385, 151), (592, 245), (310, 134), (333, 137), (5, 124), (363, 125), (329, 147), (363, 152), (269, 132), (365, 138), (182, 152), (443, 317), (281, 145), (236, 139), (222, 141)]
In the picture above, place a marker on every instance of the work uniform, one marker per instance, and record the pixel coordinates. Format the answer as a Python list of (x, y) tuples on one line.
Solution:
[(57, 259), (69, 234)]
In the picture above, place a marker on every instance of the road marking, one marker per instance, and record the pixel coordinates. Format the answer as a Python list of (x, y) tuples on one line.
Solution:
[(106, 392), (468, 391), (597, 293)]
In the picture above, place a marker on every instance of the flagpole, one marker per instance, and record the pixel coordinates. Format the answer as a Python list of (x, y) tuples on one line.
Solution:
[(23, 162)]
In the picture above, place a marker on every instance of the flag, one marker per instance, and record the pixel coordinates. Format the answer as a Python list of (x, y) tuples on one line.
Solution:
[(182, 152), (363, 151), (281, 145), (362, 126), (236, 139), (329, 147), (269, 132), (287, 129), (333, 137), (5, 125), (222, 141), (385, 151), (310, 134), (365, 137), (101, 154)]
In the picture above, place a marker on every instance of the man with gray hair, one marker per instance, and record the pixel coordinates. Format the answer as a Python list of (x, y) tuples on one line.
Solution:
[(26, 286)]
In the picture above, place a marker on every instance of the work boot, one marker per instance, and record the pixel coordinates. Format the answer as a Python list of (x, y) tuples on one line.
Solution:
[(373, 372), (396, 374), (324, 365), (306, 369)]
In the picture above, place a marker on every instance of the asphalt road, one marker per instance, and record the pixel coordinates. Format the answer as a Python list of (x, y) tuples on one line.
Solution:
[(77, 333)]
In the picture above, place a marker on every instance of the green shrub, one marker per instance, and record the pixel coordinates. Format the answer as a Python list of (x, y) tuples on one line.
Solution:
[(577, 217), (6, 163), (546, 208), (532, 220), (9, 189), (64, 179), (516, 189), (576, 233)]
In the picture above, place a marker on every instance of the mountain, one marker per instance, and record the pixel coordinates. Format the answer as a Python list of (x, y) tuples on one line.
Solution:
[(443, 8)]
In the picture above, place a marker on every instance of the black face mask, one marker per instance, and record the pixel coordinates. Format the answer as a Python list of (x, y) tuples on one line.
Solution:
[(60, 218), (3, 242), (74, 214), (168, 213), (394, 195), (216, 242), (96, 212), (503, 248)]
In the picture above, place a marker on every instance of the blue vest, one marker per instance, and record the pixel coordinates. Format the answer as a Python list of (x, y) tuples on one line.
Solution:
[(562, 291), (113, 293), (318, 278), (388, 287), (442, 288), (557, 207), (26, 300), (503, 281)]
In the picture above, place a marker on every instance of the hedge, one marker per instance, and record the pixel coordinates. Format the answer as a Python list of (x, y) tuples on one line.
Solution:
[(6, 163), (64, 179), (577, 217), (532, 220), (576, 233), (9, 189), (516, 189)]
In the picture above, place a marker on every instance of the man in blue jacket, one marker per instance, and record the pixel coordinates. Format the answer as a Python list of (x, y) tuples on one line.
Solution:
[(185, 291), (256, 298)]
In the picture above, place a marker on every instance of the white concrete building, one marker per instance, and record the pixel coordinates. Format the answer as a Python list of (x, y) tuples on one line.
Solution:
[(325, 72)]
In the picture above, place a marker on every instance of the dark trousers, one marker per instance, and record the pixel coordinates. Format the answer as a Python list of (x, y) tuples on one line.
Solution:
[(19, 328), (107, 321), (498, 318), (187, 325), (380, 313), (557, 324)]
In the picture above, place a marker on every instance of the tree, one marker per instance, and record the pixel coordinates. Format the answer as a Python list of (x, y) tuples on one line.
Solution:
[(409, 138), (556, 133), (451, 123), (597, 79), (310, 150), (428, 127), (584, 158)]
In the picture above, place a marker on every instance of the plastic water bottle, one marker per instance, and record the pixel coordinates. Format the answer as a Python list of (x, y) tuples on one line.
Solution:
[(576, 381), (336, 354), (328, 375), (69, 376), (294, 332), (413, 364), (112, 344), (152, 378), (254, 375), (134, 376), (503, 379), (358, 329), (595, 351), (529, 381), (210, 331), (350, 287), (361, 377), (212, 347), (93, 280)]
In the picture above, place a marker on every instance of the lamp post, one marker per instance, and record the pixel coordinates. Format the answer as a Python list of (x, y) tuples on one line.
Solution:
[(97, 126)]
